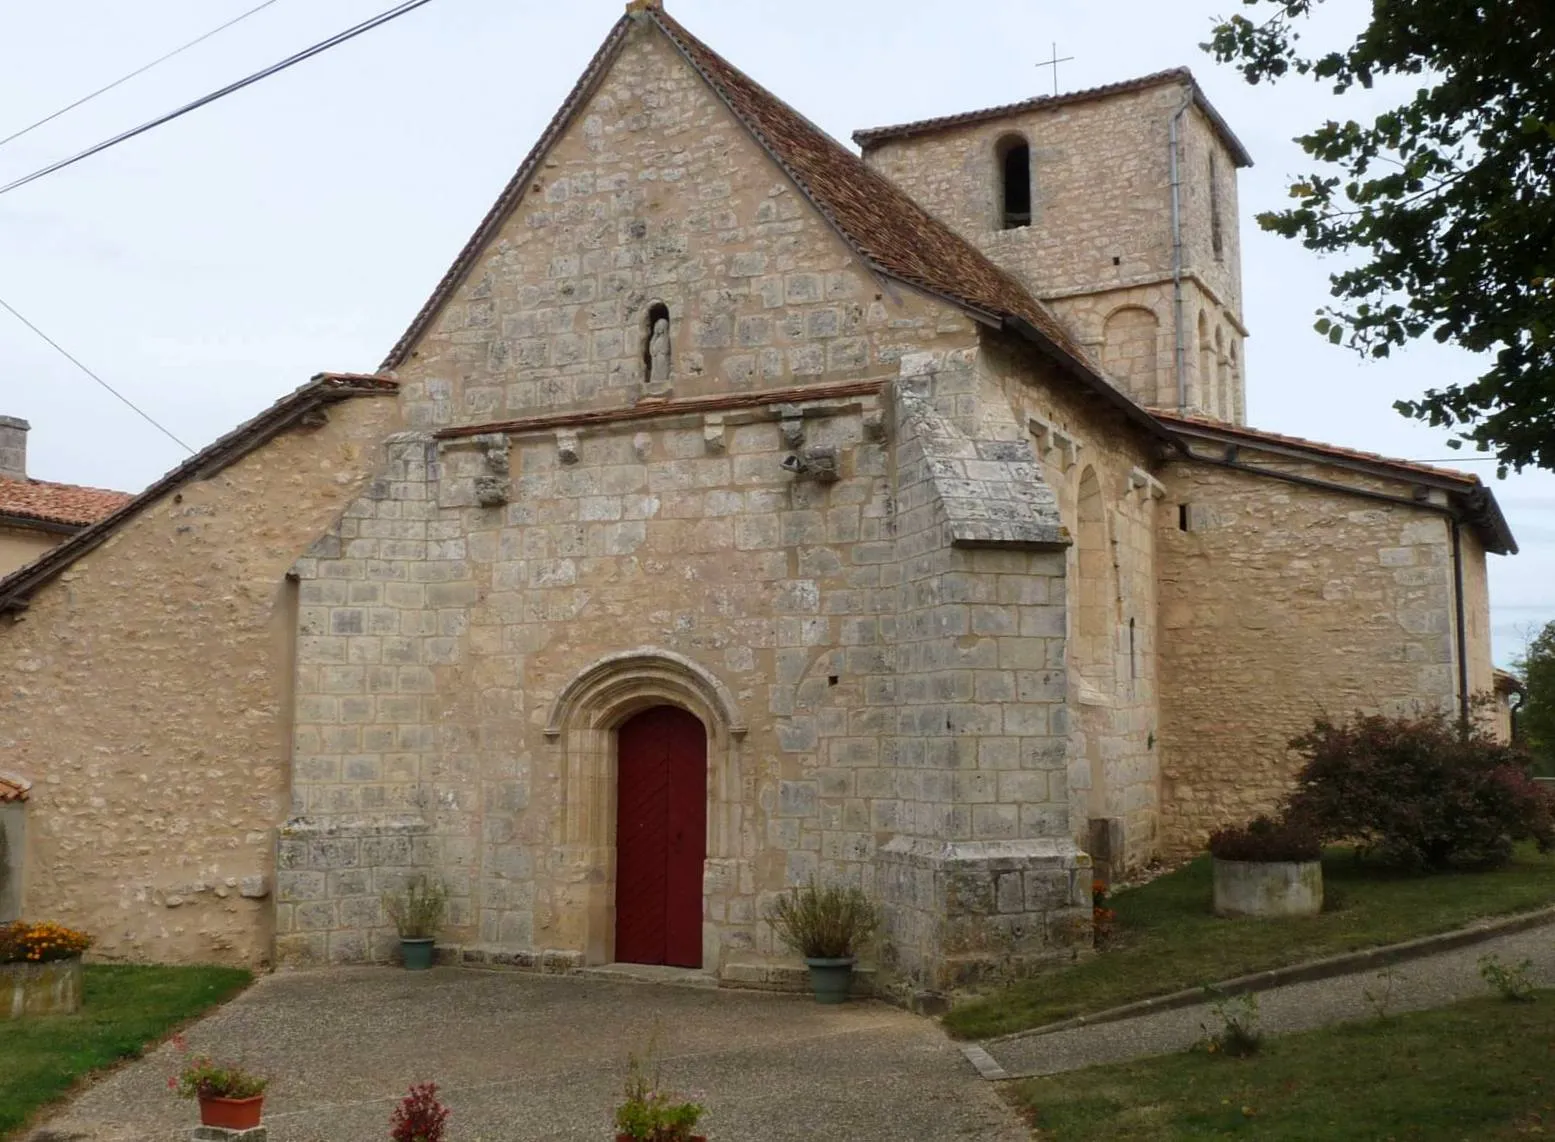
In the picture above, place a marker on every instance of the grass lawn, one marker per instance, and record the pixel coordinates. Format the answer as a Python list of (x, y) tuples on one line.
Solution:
[(126, 1007), (1168, 938), (1484, 1069)]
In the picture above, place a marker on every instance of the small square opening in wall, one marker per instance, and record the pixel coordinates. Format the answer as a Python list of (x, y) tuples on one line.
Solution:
[(1184, 518), (831, 680)]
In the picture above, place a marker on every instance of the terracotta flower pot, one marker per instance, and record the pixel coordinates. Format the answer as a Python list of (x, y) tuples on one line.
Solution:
[(231, 1113)]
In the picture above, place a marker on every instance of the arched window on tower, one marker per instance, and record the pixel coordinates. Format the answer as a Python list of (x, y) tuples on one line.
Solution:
[(1238, 397), (1222, 379), (1199, 395), (1217, 239), (1014, 182)]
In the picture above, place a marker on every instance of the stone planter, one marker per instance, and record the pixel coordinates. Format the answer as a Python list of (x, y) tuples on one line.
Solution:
[(40, 989), (1268, 888)]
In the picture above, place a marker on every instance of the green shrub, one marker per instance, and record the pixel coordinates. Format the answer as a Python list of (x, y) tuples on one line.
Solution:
[(1510, 982), (1421, 793)]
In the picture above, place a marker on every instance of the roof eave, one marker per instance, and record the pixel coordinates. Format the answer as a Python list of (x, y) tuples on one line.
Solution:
[(872, 136), (324, 389), (1473, 501), (41, 523), (1110, 393)]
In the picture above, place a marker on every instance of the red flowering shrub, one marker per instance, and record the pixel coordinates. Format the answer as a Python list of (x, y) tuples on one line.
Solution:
[(1267, 839), (419, 1117), (1421, 792), (1103, 919)]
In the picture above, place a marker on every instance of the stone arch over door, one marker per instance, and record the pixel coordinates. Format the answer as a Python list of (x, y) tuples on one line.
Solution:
[(582, 725)]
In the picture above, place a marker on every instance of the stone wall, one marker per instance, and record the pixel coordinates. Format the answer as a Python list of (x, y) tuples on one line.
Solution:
[(1280, 603), (461, 666), (1112, 668), (657, 195), (144, 701)]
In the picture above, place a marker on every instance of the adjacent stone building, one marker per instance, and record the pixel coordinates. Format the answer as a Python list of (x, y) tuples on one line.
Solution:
[(738, 511), (36, 515)]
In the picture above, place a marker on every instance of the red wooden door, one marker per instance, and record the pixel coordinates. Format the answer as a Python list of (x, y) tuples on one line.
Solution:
[(661, 837)]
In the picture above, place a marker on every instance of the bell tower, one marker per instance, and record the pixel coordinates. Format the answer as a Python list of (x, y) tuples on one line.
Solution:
[(1118, 207)]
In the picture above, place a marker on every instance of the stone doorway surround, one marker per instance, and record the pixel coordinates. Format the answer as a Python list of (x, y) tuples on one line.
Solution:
[(582, 727)]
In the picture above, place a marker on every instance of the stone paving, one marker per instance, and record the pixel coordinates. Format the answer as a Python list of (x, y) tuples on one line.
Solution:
[(1432, 981), (521, 1058)]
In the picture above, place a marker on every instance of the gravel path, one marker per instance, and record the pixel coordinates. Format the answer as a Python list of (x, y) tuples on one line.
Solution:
[(527, 1058), (1432, 981)]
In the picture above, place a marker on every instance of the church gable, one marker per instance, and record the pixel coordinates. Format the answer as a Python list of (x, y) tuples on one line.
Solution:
[(657, 250)]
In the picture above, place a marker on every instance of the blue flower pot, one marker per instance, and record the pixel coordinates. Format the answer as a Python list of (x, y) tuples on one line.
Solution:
[(831, 979), (417, 954)]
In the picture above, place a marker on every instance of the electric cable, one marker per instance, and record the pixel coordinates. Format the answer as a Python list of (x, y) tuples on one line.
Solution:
[(63, 352), (138, 71), (307, 53)]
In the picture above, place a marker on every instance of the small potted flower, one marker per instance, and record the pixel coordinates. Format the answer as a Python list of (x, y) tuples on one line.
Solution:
[(826, 924), (229, 1096), (649, 1113), (417, 911)]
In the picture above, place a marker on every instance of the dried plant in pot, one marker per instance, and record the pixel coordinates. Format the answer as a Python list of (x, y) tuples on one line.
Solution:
[(229, 1097), (827, 924), (417, 910), (1268, 867)]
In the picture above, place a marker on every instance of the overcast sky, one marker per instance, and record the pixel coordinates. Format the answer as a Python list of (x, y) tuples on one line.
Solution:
[(216, 263)]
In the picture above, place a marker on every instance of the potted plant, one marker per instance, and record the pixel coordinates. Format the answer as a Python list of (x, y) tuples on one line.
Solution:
[(40, 969), (826, 924), (417, 911), (649, 1113), (229, 1096), (1268, 867)]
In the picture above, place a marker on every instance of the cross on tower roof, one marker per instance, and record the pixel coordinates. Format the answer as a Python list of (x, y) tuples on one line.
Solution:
[(1053, 63)]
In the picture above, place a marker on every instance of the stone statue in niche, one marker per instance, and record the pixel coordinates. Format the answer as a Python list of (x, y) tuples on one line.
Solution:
[(659, 355)]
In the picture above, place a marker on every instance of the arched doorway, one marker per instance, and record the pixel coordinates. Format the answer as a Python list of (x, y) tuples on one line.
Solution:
[(661, 837)]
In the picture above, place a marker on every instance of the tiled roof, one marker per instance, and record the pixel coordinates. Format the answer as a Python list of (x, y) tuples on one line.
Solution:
[(1477, 502), (869, 136), (324, 389), (13, 788), (1300, 442), (885, 227), (46, 502)]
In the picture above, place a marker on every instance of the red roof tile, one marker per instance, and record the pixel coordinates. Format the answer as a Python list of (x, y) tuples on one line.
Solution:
[(47, 502), (872, 135), (13, 788)]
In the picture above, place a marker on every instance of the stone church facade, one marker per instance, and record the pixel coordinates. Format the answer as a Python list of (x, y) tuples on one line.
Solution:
[(919, 480)]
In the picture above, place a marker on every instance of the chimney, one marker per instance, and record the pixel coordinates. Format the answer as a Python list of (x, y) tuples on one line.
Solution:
[(13, 447)]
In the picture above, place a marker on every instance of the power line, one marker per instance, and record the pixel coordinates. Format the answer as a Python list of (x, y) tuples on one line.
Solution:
[(138, 71), (63, 352), (307, 53)]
